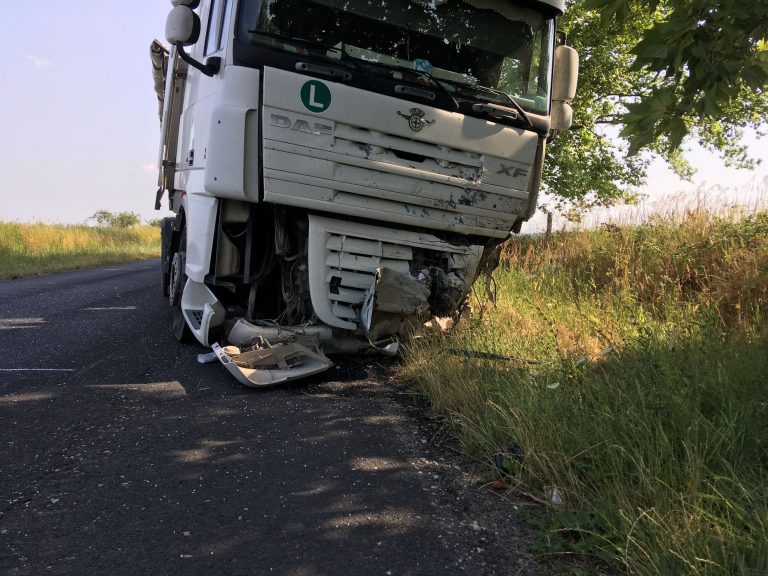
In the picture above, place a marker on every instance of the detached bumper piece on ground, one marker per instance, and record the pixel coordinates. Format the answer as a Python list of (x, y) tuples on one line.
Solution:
[(264, 364)]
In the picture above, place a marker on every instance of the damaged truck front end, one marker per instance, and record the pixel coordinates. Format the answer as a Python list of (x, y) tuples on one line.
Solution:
[(342, 172)]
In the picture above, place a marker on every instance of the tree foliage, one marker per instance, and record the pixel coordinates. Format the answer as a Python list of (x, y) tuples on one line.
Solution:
[(116, 219), (658, 71)]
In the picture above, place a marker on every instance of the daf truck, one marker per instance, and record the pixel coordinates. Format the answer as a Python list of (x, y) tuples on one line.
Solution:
[(341, 171)]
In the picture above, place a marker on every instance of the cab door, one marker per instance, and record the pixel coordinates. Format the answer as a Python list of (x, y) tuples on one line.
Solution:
[(203, 93)]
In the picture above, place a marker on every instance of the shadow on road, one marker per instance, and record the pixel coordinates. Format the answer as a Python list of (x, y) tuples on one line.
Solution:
[(133, 467)]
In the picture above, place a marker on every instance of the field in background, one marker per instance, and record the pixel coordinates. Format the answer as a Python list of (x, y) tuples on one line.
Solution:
[(632, 401), (28, 249), (715, 199)]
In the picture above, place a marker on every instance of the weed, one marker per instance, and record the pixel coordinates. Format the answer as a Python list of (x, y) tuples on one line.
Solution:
[(643, 400)]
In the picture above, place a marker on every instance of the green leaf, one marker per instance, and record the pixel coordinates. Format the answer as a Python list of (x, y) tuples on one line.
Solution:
[(677, 131), (755, 76), (711, 107), (651, 50), (594, 5)]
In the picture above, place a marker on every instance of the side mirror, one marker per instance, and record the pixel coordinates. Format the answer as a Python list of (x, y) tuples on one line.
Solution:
[(183, 29), (566, 77), (182, 26), (561, 116)]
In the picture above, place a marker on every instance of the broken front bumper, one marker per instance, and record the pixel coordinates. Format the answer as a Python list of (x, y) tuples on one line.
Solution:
[(263, 364), (351, 263)]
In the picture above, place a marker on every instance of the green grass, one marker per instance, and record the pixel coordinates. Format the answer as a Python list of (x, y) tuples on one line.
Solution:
[(637, 389), (29, 249)]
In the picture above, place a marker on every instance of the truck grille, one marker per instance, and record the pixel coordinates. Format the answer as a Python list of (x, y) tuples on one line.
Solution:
[(344, 257), (351, 265)]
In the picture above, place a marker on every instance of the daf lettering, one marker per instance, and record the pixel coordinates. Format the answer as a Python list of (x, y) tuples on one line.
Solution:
[(317, 129), (280, 121)]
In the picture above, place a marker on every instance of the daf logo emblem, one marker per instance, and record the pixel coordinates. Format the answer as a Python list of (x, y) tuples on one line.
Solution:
[(299, 125), (416, 119)]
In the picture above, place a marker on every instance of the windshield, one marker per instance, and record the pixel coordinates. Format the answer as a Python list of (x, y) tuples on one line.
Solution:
[(485, 50)]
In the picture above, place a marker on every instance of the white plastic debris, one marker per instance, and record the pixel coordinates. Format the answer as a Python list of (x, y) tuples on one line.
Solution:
[(555, 497), (207, 358), (265, 365)]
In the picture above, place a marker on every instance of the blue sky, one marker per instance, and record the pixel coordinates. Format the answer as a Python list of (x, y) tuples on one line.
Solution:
[(78, 114), (78, 124)]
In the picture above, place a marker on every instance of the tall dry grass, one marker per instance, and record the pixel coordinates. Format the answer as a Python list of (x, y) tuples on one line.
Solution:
[(636, 391), (28, 249), (718, 262)]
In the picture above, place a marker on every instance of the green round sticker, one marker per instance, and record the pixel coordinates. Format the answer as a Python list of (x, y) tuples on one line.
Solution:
[(316, 96)]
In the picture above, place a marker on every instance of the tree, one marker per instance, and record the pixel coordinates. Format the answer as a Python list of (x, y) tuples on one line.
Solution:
[(116, 219), (655, 72)]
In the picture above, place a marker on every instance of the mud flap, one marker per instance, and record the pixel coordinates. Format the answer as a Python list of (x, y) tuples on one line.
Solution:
[(265, 365)]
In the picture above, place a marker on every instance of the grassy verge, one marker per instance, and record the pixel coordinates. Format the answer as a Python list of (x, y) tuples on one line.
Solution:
[(28, 249), (635, 401)]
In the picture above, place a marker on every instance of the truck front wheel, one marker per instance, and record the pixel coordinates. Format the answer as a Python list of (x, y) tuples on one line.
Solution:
[(177, 280), (166, 251)]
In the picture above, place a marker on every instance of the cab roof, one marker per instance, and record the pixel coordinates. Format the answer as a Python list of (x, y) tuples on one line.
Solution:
[(558, 5)]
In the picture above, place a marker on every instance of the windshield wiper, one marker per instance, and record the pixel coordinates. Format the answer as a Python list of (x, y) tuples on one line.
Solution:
[(293, 40), (501, 113), (442, 88), (502, 110), (329, 71), (332, 72), (323, 70), (412, 91)]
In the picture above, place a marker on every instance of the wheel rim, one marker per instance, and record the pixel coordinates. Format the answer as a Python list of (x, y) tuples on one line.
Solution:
[(177, 273)]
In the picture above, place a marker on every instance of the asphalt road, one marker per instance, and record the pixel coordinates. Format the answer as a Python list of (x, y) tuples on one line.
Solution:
[(120, 454)]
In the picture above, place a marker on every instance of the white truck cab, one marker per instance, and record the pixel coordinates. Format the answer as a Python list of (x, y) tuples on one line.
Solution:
[(342, 170)]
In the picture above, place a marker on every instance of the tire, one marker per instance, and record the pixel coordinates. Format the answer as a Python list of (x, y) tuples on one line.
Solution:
[(177, 280), (164, 281), (166, 252)]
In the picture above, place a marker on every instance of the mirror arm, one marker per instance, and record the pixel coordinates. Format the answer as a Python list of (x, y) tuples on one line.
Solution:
[(211, 66)]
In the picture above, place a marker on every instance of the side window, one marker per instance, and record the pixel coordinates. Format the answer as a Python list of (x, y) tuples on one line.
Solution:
[(224, 30), (214, 27)]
